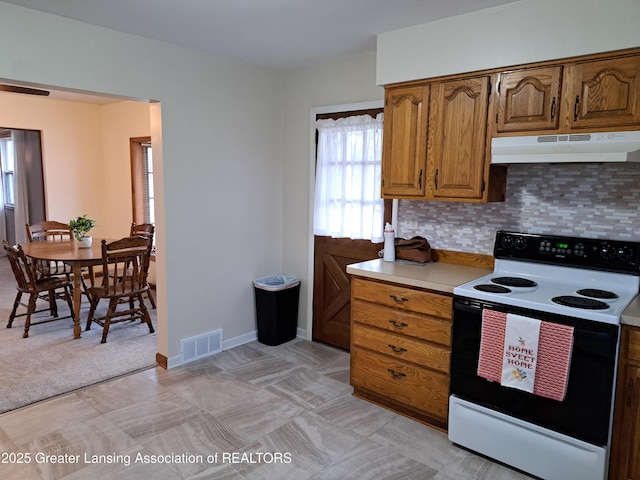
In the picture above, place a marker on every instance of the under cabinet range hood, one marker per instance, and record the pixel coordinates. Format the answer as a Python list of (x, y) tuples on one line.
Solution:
[(601, 147)]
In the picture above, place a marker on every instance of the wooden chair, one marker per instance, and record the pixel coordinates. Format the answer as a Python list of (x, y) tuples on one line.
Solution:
[(50, 231), (28, 282), (144, 229), (125, 266)]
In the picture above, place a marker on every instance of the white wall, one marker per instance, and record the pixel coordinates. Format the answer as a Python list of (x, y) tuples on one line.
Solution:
[(220, 165), (521, 32), (71, 151), (120, 122), (344, 81)]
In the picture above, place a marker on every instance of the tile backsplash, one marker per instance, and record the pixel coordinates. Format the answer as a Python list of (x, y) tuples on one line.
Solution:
[(581, 200)]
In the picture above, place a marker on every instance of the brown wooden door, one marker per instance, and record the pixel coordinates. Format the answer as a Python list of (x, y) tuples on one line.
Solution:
[(528, 99), (605, 93), (404, 152), (331, 283), (457, 138), (332, 286)]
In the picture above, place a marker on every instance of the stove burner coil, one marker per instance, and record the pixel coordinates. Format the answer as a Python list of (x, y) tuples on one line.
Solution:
[(596, 293), (514, 281), (580, 302), (492, 288)]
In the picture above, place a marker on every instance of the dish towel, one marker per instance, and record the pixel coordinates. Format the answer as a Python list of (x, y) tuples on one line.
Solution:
[(520, 353), (555, 347)]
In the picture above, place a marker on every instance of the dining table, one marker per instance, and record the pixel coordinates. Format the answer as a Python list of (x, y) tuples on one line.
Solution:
[(69, 252)]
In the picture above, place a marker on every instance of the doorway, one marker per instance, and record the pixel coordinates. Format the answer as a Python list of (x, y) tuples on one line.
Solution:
[(331, 283), (20, 169), (85, 159)]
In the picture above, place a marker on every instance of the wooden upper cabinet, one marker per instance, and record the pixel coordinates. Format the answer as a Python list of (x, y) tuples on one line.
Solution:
[(528, 99), (604, 93), (404, 151), (457, 139), (437, 142)]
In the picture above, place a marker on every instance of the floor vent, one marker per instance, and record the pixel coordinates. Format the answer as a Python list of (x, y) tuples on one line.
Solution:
[(201, 346)]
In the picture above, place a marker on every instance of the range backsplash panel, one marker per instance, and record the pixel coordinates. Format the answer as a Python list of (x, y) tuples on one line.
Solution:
[(583, 200)]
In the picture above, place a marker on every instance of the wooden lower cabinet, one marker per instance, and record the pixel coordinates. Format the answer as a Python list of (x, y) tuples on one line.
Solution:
[(625, 445), (401, 348)]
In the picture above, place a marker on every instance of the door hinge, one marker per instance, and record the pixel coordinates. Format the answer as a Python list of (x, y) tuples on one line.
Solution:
[(482, 186), (489, 89), (435, 180)]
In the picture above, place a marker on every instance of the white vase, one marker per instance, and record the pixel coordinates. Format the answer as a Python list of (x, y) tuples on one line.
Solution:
[(85, 242)]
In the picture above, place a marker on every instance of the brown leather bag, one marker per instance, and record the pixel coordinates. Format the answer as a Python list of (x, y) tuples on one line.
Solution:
[(416, 249)]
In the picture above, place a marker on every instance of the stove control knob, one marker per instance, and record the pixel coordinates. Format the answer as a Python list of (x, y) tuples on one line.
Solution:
[(624, 253), (607, 251)]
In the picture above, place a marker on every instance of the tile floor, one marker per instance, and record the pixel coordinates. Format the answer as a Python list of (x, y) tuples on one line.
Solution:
[(252, 412)]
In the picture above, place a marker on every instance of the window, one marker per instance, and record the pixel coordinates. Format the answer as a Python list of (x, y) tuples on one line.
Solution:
[(7, 162), (347, 194), (142, 180)]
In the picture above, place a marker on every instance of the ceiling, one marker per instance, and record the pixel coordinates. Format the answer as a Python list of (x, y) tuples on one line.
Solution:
[(280, 34)]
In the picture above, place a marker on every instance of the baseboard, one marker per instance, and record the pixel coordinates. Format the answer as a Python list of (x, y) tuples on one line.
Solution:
[(207, 344), (240, 340)]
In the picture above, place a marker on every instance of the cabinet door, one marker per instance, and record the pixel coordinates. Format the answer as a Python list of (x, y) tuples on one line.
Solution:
[(457, 138), (404, 151), (630, 440), (528, 99), (605, 93)]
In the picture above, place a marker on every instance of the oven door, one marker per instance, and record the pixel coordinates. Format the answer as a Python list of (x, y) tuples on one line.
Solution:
[(585, 413)]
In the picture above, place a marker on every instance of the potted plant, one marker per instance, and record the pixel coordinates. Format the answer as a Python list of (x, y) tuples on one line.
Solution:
[(80, 226)]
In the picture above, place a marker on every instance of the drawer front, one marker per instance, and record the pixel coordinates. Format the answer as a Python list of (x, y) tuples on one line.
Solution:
[(426, 327), (634, 343), (402, 348), (402, 297), (417, 387)]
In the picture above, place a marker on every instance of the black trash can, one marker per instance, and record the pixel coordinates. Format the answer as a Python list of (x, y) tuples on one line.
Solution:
[(277, 299)]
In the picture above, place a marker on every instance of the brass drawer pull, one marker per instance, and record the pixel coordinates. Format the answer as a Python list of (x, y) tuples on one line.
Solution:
[(398, 300), (395, 374), (396, 349), (398, 324)]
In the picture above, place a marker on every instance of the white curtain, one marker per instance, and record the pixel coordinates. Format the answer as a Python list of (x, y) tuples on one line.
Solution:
[(22, 146), (348, 178)]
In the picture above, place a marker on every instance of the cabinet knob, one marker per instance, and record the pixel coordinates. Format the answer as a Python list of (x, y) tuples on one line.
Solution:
[(395, 374), (397, 299), (398, 324), (397, 349)]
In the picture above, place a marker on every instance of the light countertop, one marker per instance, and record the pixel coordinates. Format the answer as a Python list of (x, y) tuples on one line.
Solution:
[(437, 276), (631, 316), (443, 277)]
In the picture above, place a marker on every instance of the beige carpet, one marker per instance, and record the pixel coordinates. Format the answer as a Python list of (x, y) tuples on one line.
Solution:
[(50, 362)]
